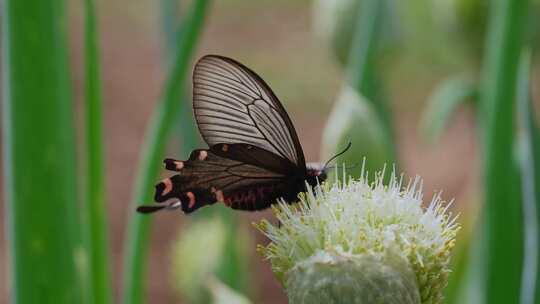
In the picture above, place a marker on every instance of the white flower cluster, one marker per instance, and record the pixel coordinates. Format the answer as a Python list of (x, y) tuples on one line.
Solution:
[(357, 219)]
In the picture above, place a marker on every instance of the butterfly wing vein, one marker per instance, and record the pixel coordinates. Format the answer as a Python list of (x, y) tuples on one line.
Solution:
[(233, 105)]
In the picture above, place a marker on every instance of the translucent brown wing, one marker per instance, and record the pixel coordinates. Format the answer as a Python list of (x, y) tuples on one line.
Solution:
[(233, 105), (209, 177)]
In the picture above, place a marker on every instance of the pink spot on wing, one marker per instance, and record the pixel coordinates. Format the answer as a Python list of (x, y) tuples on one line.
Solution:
[(219, 196), (203, 155), (179, 165), (168, 186), (191, 197)]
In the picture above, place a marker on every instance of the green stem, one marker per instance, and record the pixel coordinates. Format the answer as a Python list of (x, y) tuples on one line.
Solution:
[(231, 270), (528, 160), (156, 138), (535, 150), (46, 256), (170, 14), (504, 246), (100, 282), (361, 63), (364, 44)]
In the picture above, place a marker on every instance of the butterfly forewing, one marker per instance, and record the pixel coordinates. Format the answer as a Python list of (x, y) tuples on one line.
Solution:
[(234, 105)]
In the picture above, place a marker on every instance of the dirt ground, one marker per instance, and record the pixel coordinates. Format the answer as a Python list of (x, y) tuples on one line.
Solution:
[(280, 45)]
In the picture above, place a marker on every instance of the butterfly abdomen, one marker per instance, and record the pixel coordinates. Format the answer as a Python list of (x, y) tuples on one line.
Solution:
[(251, 199)]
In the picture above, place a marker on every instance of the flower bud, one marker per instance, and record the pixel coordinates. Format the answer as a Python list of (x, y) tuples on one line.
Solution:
[(362, 242)]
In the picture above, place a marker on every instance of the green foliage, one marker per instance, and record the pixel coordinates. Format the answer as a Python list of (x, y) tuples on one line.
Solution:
[(230, 271), (98, 258), (467, 23), (444, 101), (222, 294), (354, 120), (503, 215), (466, 264), (209, 257), (336, 20), (361, 67), (156, 139), (196, 255), (47, 260), (529, 164), (361, 116)]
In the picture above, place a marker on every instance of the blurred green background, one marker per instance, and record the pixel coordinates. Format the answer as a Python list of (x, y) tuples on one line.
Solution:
[(442, 89)]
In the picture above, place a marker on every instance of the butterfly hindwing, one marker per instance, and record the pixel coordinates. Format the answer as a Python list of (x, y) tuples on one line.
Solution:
[(209, 176), (233, 105)]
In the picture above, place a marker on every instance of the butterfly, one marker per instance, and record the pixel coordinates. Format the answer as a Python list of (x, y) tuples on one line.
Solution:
[(254, 156)]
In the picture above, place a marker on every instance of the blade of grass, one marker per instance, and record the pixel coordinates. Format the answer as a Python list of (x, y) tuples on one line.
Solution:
[(364, 45), (170, 20), (361, 64), (535, 148), (170, 25), (460, 261), (155, 141), (527, 139), (39, 145), (100, 275), (231, 269), (447, 97), (504, 245)]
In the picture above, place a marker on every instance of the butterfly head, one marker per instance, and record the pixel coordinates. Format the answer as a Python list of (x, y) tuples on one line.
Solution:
[(316, 172)]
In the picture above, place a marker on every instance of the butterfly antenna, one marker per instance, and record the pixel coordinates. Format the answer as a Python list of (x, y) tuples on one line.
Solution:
[(337, 155), (346, 168)]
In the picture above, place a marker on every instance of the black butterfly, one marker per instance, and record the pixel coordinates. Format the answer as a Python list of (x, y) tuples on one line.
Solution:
[(254, 157)]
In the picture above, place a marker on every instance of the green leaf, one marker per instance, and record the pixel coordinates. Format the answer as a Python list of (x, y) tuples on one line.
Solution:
[(471, 287), (361, 64), (361, 58), (232, 270), (528, 147), (466, 262), (222, 294), (444, 101), (171, 26), (353, 119), (170, 17), (503, 215), (335, 20), (196, 254), (155, 141), (366, 124), (45, 250), (209, 248), (95, 211)]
